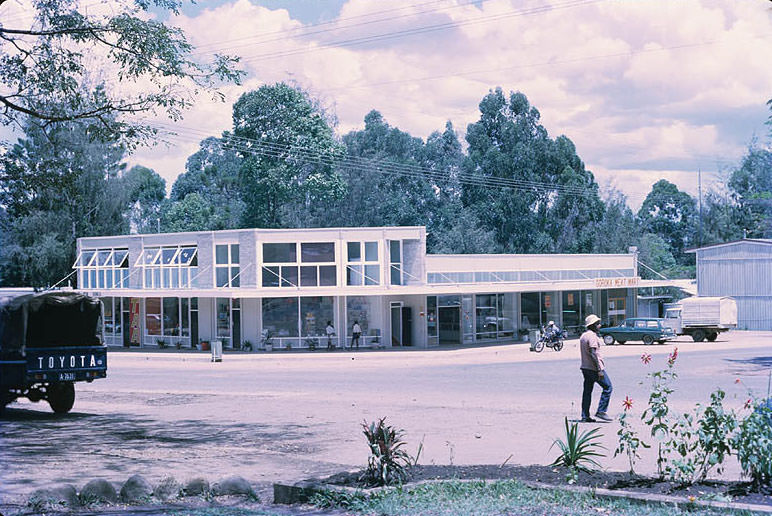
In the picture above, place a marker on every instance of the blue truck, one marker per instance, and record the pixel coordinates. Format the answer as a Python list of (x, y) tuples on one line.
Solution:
[(48, 342)]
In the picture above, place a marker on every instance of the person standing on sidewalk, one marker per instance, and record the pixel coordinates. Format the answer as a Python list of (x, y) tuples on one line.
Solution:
[(356, 332), (593, 370), (330, 331)]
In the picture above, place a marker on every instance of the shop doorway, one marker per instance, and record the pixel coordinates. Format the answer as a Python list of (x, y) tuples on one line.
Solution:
[(450, 324), (396, 323), (616, 310)]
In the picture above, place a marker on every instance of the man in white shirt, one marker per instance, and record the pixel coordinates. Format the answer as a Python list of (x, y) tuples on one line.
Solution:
[(593, 370), (356, 332)]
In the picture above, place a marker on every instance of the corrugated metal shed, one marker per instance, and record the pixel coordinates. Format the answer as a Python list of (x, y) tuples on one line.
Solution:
[(743, 270)]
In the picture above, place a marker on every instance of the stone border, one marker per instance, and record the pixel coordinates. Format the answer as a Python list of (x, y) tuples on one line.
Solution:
[(302, 492)]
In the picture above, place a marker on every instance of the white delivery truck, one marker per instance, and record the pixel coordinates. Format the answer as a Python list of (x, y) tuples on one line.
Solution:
[(702, 317)]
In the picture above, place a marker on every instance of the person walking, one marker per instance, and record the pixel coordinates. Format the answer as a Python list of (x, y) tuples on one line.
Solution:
[(330, 330), (593, 370), (356, 332)]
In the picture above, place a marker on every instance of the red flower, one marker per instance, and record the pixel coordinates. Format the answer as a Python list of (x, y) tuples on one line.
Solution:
[(737, 380), (673, 356), (627, 403), (748, 403), (645, 358)]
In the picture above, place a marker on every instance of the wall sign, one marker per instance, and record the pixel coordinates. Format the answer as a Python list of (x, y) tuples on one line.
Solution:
[(617, 282)]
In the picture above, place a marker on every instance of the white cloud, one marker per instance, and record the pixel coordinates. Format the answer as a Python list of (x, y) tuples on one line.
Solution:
[(645, 89)]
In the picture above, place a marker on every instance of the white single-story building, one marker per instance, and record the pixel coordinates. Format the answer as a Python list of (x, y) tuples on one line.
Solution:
[(283, 286)]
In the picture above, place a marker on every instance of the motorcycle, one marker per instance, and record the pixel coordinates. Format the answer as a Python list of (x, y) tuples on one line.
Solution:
[(550, 340)]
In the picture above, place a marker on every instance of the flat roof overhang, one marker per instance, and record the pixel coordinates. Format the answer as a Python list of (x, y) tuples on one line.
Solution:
[(406, 290)]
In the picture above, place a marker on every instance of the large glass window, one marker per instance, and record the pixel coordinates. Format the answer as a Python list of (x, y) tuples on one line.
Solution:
[(314, 314), (365, 311), (571, 312), (550, 307), (227, 269), (103, 268), (507, 314), (529, 310), (169, 267), (153, 316), (395, 261), (363, 266), (486, 316), (171, 316), (315, 269), (280, 316)]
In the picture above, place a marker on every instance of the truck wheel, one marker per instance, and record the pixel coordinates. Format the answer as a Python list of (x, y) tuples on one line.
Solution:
[(712, 336), (698, 336), (608, 340), (61, 397)]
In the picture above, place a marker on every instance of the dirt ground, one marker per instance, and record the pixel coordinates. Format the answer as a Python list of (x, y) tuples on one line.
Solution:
[(289, 416)]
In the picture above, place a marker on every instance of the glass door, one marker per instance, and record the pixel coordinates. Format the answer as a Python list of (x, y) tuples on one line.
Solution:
[(396, 323)]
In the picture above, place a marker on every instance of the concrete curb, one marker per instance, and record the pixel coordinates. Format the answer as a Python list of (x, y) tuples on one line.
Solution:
[(302, 492)]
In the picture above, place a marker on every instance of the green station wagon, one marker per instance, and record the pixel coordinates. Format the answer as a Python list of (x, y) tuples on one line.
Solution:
[(647, 330)]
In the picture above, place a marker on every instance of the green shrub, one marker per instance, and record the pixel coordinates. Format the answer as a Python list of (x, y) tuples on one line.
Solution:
[(578, 451), (629, 442), (753, 444), (388, 463), (701, 441)]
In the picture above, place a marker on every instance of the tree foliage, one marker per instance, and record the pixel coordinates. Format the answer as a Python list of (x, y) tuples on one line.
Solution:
[(275, 129), (508, 142), (46, 68)]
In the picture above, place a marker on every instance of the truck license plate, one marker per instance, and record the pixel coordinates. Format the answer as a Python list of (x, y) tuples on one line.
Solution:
[(66, 377)]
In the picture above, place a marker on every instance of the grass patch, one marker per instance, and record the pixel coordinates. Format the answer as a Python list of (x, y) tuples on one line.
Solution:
[(495, 498)]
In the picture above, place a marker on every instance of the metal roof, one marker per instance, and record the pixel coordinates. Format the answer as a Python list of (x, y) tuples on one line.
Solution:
[(767, 241)]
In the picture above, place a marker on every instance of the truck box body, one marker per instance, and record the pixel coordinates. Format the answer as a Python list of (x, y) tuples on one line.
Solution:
[(48, 341), (713, 312)]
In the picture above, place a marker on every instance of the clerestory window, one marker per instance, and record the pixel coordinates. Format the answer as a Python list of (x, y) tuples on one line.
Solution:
[(103, 268), (169, 266)]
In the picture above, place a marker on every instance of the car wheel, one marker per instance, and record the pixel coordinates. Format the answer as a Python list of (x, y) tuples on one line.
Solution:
[(712, 336), (608, 340), (61, 397), (698, 336), (648, 340), (621, 341)]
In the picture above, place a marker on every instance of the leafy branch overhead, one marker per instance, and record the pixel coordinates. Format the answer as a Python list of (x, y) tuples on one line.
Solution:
[(45, 65)]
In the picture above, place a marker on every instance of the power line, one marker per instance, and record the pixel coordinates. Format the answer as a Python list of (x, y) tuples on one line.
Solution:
[(422, 30), (386, 167), (287, 34)]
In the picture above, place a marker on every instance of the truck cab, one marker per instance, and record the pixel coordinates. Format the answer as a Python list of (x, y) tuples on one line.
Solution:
[(48, 342)]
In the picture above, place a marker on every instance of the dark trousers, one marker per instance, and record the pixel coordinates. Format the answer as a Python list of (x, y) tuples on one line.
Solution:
[(590, 379), (355, 339)]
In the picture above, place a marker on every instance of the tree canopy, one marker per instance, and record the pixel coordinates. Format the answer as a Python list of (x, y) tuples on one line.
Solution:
[(48, 68)]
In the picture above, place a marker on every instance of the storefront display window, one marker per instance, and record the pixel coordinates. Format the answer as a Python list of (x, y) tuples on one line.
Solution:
[(571, 321), (529, 310), (365, 310)]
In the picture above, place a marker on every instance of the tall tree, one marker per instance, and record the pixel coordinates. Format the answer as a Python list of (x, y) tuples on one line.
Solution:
[(751, 189), (145, 192), (553, 198), (213, 174), (386, 185), (289, 150), (45, 65), (618, 229), (60, 184), (671, 214)]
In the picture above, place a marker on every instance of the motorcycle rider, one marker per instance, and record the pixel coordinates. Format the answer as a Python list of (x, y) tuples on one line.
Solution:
[(552, 332)]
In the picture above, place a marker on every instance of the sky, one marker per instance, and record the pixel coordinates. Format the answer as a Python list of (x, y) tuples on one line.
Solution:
[(645, 89)]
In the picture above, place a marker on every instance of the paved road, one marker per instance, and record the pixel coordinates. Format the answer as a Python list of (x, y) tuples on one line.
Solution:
[(290, 416)]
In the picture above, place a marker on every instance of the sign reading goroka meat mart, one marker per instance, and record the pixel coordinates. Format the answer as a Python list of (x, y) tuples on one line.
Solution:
[(617, 282)]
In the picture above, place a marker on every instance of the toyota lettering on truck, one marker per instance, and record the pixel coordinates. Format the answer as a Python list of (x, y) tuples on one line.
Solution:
[(48, 342)]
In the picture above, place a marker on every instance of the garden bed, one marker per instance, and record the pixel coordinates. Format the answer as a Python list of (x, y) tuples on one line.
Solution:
[(739, 492)]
